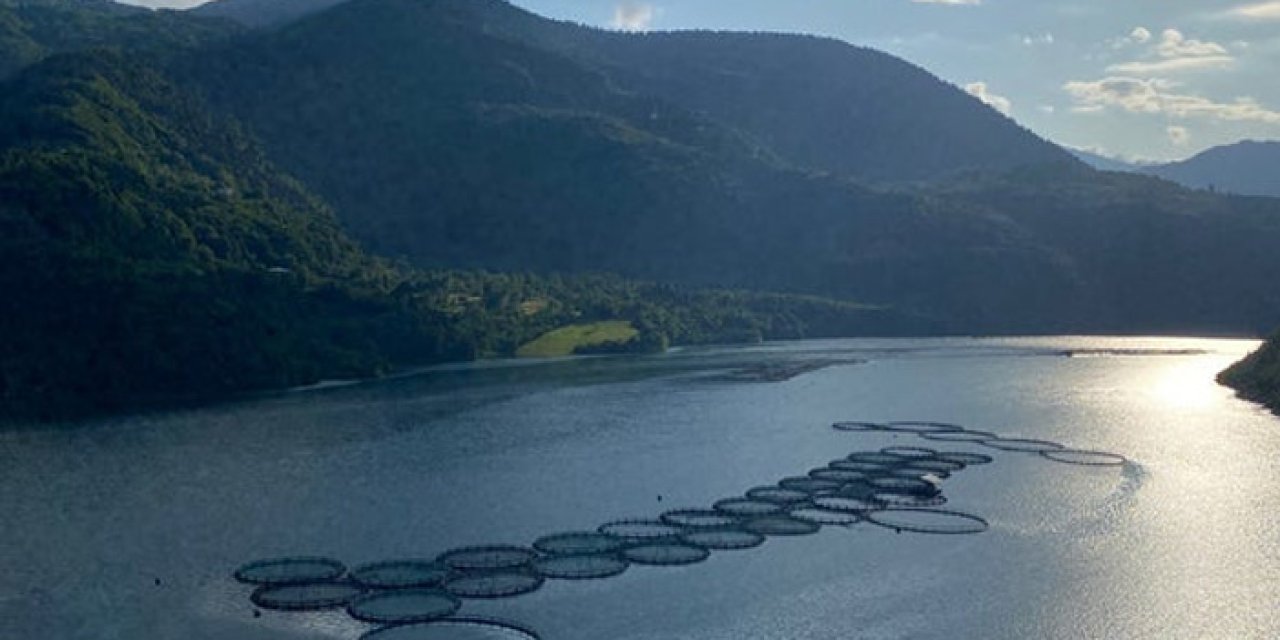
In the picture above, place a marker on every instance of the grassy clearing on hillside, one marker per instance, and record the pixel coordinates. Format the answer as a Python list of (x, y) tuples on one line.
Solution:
[(565, 340)]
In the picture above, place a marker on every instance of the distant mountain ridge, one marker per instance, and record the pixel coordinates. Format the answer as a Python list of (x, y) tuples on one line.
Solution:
[(1248, 167)]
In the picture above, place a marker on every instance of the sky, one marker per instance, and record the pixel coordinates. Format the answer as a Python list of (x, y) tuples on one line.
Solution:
[(1138, 79)]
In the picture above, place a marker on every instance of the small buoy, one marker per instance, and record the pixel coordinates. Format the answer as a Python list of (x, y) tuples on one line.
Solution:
[(659, 497), (257, 614), (157, 582)]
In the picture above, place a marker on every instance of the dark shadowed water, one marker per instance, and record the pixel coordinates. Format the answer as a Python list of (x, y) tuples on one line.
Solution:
[(1184, 542)]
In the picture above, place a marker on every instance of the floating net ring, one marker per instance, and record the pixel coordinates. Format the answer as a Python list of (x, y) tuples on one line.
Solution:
[(910, 453), (726, 539), (965, 458), (454, 629), (875, 457), (909, 500), (857, 426), (403, 606), (666, 554), (819, 515), (913, 472), (305, 597), (1026, 445), (924, 427), (901, 485), (1085, 458), (859, 465), (577, 543), (747, 507), (778, 495), (841, 476), (859, 489), (487, 558), (633, 531), (580, 567), (290, 570), (809, 484), (935, 465), (967, 435), (781, 526), (928, 521), (400, 574), (698, 519), (495, 584), (847, 504)]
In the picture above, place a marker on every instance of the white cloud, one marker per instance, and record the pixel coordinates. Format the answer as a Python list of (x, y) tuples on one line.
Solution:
[(1047, 109), (1044, 39), (980, 91), (951, 2), (634, 16), (1173, 52), (1175, 45), (1170, 65), (1256, 11), (1156, 96), (1179, 136)]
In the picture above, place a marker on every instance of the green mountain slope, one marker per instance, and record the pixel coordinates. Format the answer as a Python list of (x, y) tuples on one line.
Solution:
[(472, 134), (150, 253), (31, 30), (262, 13)]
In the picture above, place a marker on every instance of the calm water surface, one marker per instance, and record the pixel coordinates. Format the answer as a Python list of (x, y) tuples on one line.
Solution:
[(1183, 543)]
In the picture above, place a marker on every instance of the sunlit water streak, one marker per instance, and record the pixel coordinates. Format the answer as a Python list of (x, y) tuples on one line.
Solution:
[(1181, 544)]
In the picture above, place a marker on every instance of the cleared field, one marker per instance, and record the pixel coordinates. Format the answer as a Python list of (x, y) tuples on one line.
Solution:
[(563, 341)]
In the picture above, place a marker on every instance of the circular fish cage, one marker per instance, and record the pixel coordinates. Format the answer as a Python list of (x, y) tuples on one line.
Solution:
[(637, 531), (305, 597), (747, 508), (910, 453), (454, 629), (857, 426), (845, 504), (781, 526), (819, 515), (875, 457), (723, 539), (400, 574), (909, 500), (698, 519), (402, 606), (1085, 458), (489, 585), (935, 521), (965, 458), (487, 558), (580, 567), (841, 476), (577, 543), (809, 484), (934, 465), (290, 570), (967, 435), (666, 554), (777, 495), (1025, 445), (862, 466), (923, 427), (903, 485)]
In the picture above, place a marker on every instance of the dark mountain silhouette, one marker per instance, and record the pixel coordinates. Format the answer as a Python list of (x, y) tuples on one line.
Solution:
[(1105, 163)]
